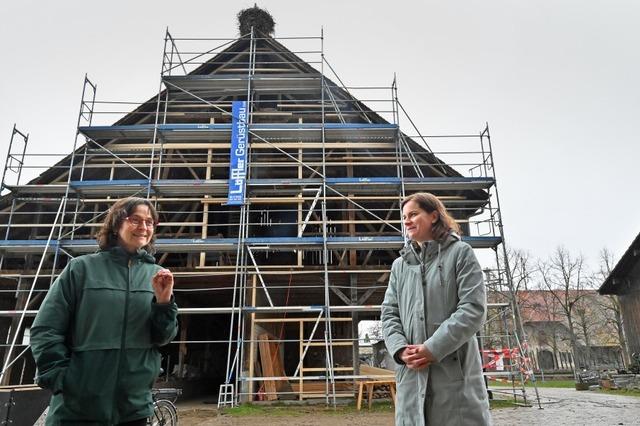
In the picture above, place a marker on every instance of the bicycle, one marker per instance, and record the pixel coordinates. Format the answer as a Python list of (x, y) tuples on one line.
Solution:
[(634, 367), (165, 412)]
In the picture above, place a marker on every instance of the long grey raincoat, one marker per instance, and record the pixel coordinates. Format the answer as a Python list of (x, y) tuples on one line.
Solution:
[(436, 296)]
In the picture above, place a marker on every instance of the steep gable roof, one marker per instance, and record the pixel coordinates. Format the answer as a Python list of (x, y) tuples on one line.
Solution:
[(229, 63)]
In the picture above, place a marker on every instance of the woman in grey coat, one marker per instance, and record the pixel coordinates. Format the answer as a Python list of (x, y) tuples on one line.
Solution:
[(434, 305)]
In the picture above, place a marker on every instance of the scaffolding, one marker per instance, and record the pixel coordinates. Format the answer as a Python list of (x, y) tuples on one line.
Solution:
[(272, 288)]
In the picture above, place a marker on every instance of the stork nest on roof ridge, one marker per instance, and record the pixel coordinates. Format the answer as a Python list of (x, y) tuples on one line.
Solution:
[(259, 19)]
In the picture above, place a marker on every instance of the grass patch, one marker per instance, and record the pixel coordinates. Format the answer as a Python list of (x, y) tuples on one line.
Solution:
[(282, 410), (553, 384), (539, 383), (502, 403), (376, 407), (264, 410)]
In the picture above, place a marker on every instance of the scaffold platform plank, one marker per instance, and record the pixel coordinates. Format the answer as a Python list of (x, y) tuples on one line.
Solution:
[(219, 187), (186, 245), (268, 131), (237, 83), (332, 131), (223, 310), (213, 132)]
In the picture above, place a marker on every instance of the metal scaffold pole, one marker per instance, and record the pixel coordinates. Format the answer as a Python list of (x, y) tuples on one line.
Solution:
[(520, 335), (87, 115), (154, 140), (398, 147), (60, 214), (245, 225), (330, 381), (7, 360)]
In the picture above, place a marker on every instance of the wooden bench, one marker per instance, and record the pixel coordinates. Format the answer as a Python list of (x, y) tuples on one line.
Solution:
[(370, 385)]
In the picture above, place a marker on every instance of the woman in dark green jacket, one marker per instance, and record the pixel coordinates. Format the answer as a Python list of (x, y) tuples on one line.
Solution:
[(96, 336)]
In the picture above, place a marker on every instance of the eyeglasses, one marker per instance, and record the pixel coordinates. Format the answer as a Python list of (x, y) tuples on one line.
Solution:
[(137, 221)]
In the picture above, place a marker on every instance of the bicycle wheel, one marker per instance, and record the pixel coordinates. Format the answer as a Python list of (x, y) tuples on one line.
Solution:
[(164, 414)]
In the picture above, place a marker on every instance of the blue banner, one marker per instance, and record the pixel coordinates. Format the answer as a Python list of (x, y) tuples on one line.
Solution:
[(239, 148)]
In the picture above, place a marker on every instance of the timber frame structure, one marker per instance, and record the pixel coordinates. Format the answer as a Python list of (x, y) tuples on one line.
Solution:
[(270, 291)]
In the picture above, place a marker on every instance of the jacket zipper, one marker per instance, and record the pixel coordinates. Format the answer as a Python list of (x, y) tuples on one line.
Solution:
[(122, 342)]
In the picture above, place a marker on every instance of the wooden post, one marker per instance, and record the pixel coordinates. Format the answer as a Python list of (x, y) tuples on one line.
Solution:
[(355, 318), (205, 208), (360, 389), (301, 381), (182, 349)]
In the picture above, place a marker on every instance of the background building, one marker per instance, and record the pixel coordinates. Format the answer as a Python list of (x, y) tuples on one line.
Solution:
[(624, 282)]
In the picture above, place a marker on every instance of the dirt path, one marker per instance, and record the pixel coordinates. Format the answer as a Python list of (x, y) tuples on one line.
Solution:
[(300, 416), (559, 407), (374, 419)]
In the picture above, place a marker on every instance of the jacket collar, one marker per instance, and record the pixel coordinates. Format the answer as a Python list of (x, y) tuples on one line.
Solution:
[(415, 253), (120, 255)]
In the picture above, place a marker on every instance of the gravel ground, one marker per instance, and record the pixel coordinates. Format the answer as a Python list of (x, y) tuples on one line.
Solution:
[(559, 407), (570, 407)]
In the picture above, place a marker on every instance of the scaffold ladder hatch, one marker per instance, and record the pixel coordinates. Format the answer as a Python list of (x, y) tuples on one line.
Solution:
[(13, 163), (226, 395)]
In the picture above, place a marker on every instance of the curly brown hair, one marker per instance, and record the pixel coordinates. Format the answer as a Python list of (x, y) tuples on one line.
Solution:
[(430, 203), (108, 235)]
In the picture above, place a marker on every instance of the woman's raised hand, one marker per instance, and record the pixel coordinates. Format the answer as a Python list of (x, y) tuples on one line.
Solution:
[(162, 283)]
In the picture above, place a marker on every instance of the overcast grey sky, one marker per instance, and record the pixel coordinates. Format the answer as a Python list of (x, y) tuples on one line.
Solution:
[(557, 81)]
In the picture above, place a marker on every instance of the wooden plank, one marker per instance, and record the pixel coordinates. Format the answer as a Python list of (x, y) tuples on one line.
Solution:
[(278, 369), (267, 367), (272, 367), (325, 369), (331, 344), (301, 352), (252, 336), (304, 319), (324, 395), (375, 372), (319, 386)]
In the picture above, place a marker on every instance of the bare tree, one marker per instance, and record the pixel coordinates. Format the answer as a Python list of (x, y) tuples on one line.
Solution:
[(564, 276), (550, 309), (588, 319), (610, 304), (519, 272)]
